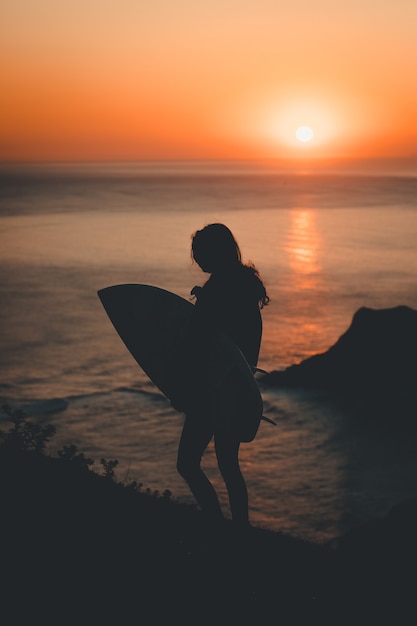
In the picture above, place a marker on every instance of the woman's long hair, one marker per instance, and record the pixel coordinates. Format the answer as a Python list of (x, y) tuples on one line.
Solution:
[(215, 250)]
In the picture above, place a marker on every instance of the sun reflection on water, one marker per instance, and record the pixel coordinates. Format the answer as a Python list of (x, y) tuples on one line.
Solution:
[(304, 247)]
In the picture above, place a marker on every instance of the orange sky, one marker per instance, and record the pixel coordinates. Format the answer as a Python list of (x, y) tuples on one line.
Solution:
[(121, 79)]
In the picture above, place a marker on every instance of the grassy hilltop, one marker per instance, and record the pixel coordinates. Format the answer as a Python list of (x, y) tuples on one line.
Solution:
[(79, 547)]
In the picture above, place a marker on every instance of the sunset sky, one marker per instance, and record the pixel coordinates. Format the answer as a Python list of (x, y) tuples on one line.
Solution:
[(159, 79)]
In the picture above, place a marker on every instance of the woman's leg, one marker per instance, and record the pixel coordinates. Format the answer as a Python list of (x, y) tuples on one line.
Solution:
[(195, 438), (227, 452)]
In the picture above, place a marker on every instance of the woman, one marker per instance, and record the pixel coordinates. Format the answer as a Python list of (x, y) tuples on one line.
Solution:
[(230, 301)]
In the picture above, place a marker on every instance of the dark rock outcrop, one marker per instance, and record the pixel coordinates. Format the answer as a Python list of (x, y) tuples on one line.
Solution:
[(377, 354)]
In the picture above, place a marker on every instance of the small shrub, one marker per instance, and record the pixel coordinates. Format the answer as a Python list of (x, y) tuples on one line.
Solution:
[(134, 486), (70, 453), (25, 435), (109, 468)]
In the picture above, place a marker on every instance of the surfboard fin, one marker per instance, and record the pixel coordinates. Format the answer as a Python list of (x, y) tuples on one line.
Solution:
[(267, 419)]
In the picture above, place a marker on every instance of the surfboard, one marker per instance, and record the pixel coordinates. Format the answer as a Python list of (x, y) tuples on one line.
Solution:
[(214, 377)]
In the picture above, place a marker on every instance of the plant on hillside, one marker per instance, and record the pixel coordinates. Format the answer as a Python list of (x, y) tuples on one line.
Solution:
[(25, 435), (109, 468), (70, 453)]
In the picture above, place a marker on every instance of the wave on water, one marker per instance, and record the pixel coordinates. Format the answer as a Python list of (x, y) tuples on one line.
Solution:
[(34, 408), (46, 406)]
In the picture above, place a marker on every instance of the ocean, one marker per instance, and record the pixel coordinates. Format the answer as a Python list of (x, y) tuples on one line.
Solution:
[(325, 242)]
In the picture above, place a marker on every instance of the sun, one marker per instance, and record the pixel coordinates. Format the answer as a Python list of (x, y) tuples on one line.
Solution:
[(304, 134)]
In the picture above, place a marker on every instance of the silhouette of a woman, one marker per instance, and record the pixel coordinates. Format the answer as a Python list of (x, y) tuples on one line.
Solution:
[(229, 301)]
